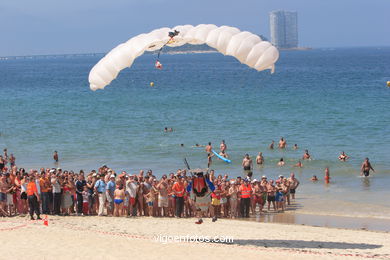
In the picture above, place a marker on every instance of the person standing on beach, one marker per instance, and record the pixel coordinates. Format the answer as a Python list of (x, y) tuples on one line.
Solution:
[(366, 167), (119, 197), (260, 159), (100, 188), (80, 184), (294, 183), (44, 182), (245, 194), (33, 198), (110, 195), (56, 188), (3, 195), (131, 188), (178, 190), (233, 191), (271, 192), (162, 188), (282, 143), (55, 156)]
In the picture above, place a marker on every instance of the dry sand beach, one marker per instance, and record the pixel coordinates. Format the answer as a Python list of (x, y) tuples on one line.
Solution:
[(120, 238)]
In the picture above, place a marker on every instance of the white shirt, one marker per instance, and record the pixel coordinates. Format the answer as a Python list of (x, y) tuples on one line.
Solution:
[(131, 188)]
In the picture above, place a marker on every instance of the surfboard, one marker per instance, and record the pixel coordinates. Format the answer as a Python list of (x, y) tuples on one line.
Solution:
[(221, 157)]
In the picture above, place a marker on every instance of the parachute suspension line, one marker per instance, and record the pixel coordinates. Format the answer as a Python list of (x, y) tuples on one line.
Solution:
[(158, 65)]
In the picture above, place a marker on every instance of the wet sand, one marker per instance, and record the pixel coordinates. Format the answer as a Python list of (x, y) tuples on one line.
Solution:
[(372, 224)]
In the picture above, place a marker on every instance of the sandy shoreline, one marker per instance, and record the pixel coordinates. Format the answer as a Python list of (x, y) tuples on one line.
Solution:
[(119, 238)]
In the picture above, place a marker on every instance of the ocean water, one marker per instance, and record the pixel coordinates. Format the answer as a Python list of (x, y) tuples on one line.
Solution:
[(324, 100)]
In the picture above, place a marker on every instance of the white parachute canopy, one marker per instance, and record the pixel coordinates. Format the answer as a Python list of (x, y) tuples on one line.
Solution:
[(247, 47)]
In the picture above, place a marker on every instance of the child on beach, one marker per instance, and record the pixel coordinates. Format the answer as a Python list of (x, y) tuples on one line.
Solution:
[(85, 195), (150, 198), (119, 197)]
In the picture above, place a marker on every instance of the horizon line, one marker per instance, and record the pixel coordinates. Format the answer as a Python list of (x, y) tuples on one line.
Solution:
[(103, 53)]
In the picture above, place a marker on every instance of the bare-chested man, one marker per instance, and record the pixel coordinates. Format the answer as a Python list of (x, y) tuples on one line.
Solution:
[(257, 196), (366, 167), (209, 148), (55, 156), (294, 183), (247, 164), (282, 143), (271, 192), (260, 158), (3, 195)]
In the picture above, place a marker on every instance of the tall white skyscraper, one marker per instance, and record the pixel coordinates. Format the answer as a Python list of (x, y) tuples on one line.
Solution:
[(284, 29)]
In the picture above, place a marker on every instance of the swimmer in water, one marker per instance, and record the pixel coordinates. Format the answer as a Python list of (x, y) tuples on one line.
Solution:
[(306, 155), (282, 143), (271, 146), (327, 175), (260, 158), (343, 157), (314, 178), (295, 147), (198, 145), (281, 162), (224, 154), (299, 164), (222, 146)]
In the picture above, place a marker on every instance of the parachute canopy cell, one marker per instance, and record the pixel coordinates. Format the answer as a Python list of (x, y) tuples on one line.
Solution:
[(246, 47)]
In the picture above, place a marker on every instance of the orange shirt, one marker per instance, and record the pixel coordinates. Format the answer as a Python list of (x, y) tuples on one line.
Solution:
[(245, 191), (31, 188), (45, 184), (179, 189)]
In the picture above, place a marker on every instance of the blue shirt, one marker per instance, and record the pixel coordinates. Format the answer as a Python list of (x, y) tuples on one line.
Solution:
[(111, 187), (100, 186)]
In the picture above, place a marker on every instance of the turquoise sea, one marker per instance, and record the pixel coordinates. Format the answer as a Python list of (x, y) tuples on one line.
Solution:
[(325, 100)]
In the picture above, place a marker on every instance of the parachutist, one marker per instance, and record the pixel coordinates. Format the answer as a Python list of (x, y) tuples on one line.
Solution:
[(158, 65), (173, 34)]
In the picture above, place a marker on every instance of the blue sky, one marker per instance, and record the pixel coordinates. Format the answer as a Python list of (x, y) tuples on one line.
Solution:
[(83, 26)]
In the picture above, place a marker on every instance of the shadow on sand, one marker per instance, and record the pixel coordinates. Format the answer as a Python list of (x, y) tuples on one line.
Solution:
[(301, 244)]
